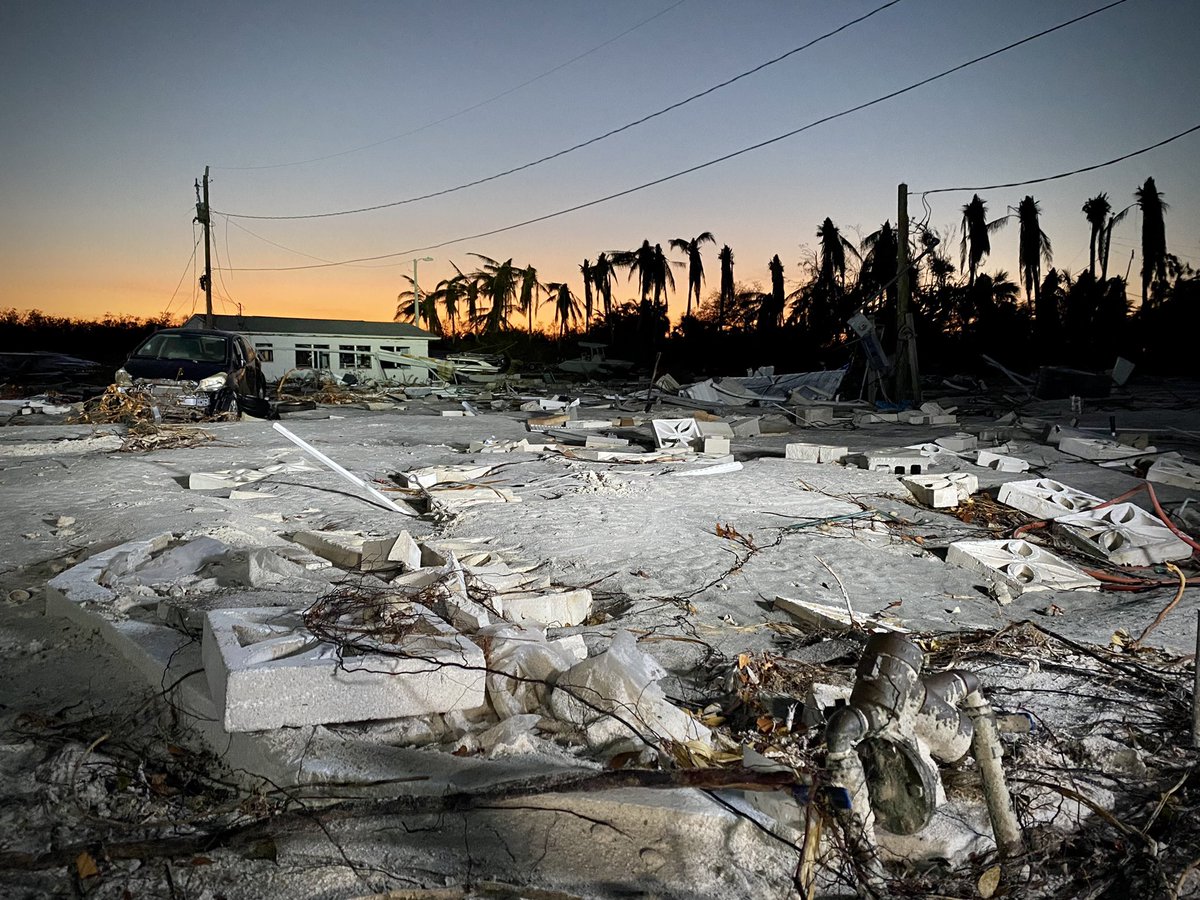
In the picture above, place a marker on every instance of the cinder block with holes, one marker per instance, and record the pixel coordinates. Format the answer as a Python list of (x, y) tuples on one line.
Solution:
[(898, 462), (1124, 534), (942, 491), (989, 459), (266, 670), (1175, 472), (1020, 566), (1098, 449), (1045, 498)]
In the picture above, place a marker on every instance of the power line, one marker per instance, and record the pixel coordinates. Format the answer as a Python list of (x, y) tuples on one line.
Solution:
[(1079, 171), (465, 110), (589, 141), (711, 162), (183, 274)]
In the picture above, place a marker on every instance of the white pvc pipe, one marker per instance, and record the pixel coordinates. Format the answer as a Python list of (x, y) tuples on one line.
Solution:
[(348, 475)]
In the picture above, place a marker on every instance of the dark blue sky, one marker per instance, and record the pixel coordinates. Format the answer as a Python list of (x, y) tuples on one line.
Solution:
[(111, 110)]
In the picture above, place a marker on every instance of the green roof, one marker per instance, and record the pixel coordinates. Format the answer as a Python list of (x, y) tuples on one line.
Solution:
[(288, 325)]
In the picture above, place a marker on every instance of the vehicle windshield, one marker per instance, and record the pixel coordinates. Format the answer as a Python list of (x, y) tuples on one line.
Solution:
[(193, 347)]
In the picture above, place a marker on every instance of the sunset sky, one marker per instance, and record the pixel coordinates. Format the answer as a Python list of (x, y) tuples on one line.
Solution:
[(111, 110)]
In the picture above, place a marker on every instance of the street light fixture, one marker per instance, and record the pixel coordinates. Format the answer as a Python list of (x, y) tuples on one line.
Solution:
[(417, 290)]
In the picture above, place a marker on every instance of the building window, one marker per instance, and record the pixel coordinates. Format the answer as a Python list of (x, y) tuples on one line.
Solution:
[(312, 356), (354, 356), (266, 353), (387, 363)]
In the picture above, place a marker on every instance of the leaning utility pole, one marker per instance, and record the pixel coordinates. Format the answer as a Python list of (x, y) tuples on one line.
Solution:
[(908, 384), (205, 279)]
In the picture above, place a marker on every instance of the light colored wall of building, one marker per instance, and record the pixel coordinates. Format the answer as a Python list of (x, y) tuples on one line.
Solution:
[(284, 347)]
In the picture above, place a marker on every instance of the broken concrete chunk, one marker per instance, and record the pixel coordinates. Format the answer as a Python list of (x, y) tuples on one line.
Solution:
[(1175, 472), (554, 610), (1020, 566), (405, 552), (1123, 534), (942, 491), (1099, 450), (815, 415), (433, 475), (958, 442), (178, 563), (709, 428), (454, 498), (674, 433), (342, 548), (265, 670), (999, 462), (724, 466), (746, 427), (1044, 498), (830, 618)]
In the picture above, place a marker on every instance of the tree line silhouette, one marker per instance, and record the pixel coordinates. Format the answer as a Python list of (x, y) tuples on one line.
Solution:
[(1047, 316)]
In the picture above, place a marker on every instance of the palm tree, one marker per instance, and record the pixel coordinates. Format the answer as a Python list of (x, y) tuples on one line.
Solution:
[(1154, 235), (498, 282), (725, 298), (603, 275), (566, 307), (661, 276), (695, 263), (530, 293), (772, 304), (449, 292), (833, 256), (585, 269), (1034, 248), (878, 272), (1096, 210), (976, 235), (1106, 239), (641, 261)]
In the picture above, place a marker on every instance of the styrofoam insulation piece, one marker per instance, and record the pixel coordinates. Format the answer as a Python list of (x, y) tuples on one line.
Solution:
[(958, 442), (898, 462), (266, 670), (1175, 472), (816, 453), (942, 491), (1098, 449), (428, 476), (673, 433), (1045, 498), (1020, 566), (1124, 534), (989, 459)]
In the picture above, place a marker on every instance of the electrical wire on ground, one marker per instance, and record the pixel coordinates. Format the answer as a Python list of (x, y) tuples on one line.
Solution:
[(464, 110), (595, 140), (712, 162)]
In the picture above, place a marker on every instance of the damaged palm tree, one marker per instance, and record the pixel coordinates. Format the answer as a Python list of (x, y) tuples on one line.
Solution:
[(882, 747)]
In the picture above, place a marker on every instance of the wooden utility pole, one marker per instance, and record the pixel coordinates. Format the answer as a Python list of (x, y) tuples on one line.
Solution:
[(206, 279), (908, 384)]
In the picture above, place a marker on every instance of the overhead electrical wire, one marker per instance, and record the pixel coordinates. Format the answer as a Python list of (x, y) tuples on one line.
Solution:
[(712, 162), (1079, 171), (465, 110), (595, 140), (187, 265)]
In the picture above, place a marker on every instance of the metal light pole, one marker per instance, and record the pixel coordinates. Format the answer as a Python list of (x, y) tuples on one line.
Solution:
[(417, 290)]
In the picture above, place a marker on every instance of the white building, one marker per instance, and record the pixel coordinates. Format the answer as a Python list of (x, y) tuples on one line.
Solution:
[(338, 346)]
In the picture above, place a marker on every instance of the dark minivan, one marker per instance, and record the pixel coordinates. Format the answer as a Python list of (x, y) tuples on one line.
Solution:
[(211, 371)]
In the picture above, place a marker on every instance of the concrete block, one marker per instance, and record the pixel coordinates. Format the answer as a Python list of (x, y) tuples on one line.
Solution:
[(716, 446), (1123, 534), (453, 497), (1175, 472), (342, 548), (676, 433), (875, 418), (605, 442), (899, 462), (942, 491), (944, 419), (958, 442), (829, 618), (746, 427), (999, 462), (265, 670), (405, 552), (1100, 450), (913, 417), (555, 609), (818, 453), (1044, 498), (1020, 566), (713, 429), (815, 415)]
